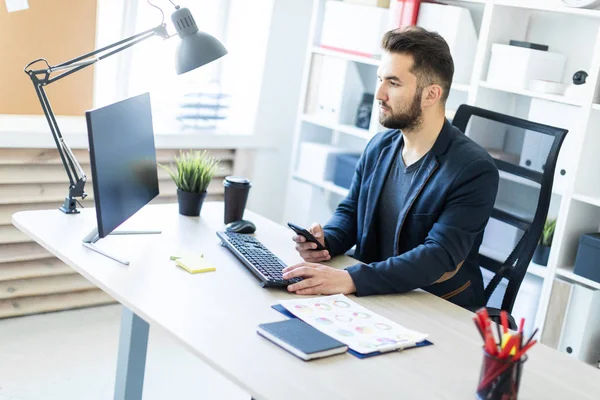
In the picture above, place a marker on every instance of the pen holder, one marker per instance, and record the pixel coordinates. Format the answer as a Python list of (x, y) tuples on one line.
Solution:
[(499, 378)]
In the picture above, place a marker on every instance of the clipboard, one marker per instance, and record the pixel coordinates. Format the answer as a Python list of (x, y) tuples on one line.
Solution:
[(284, 311)]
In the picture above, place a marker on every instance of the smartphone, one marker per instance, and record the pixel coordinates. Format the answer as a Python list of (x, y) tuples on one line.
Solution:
[(307, 235)]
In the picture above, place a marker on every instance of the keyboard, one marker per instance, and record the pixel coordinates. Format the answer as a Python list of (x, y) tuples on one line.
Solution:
[(257, 258)]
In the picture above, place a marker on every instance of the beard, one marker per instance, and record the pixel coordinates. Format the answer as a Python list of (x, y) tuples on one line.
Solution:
[(406, 120)]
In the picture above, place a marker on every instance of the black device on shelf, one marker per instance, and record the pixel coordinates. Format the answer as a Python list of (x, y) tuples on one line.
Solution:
[(529, 45), (257, 258)]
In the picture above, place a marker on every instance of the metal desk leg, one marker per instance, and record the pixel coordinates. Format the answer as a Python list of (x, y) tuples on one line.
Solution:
[(131, 363)]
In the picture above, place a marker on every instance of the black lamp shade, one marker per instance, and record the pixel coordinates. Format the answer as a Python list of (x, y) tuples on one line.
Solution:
[(196, 48)]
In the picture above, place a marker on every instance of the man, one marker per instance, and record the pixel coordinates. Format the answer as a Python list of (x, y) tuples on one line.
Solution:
[(421, 195)]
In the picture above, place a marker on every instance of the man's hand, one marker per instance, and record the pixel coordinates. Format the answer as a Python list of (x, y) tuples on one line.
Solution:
[(319, 279), (307, 250)]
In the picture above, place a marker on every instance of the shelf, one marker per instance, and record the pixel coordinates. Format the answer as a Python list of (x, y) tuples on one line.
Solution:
[(537, 270), (347, 129), (548, 5), (520, 213), (530, 93), (514, 178), (326, 185), (346, 56), (567, 273), (533, 269), (595, 201)]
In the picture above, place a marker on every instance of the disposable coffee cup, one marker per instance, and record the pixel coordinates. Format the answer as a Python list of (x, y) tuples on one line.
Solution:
[(236, 196)]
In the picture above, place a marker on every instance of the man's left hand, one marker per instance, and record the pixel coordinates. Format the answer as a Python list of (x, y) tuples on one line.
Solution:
[(319, 279)]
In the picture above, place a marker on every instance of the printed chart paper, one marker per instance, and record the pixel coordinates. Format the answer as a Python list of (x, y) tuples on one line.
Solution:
[(361, 329)]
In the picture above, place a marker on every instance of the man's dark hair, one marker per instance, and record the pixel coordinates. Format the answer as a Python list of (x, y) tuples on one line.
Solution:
[(431, 54)]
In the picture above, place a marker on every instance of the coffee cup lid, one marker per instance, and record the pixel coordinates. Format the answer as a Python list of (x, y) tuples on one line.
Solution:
[(237, 180)]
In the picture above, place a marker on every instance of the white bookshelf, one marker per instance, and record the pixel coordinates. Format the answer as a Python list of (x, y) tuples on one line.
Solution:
[(538, 270), (567, 272), (345, 56), (534, 269), (595, 201), (576, 193), (518, 179), (531, 93), (342, 128), (325, 185)]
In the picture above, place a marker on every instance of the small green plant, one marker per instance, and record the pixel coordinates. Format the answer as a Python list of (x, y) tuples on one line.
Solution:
[(195, 170), (548, 233)]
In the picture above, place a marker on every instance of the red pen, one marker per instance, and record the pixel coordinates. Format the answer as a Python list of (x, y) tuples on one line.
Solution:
[(490, 343), (524, 349), (504, 320)]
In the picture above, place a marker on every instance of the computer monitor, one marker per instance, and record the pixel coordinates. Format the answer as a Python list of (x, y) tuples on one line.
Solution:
[(123, 160)]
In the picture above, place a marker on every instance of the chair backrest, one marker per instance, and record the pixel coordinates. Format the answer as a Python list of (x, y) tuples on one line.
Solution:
[(525, 153)]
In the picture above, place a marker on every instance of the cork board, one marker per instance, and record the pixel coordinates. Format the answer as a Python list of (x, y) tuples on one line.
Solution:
[(57, 30)]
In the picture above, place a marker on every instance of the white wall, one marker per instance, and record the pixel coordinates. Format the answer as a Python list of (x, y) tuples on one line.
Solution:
[(280, 93)]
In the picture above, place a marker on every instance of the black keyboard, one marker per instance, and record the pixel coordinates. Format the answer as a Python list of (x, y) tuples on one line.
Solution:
[(257, 258)]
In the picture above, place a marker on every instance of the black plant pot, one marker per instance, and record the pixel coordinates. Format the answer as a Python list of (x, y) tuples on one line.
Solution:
[(190, 204), (540, 255)]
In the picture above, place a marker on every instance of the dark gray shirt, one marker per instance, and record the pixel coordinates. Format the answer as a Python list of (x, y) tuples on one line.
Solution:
[(392, 199)]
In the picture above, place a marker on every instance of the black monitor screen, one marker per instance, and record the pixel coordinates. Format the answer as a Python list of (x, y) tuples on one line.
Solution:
[(123, 159)]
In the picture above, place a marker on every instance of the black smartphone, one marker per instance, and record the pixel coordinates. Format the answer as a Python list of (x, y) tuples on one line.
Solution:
[(307, 235)]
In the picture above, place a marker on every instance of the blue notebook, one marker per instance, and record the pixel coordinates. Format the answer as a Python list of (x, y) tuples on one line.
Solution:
[(285, 312), (301, 339)]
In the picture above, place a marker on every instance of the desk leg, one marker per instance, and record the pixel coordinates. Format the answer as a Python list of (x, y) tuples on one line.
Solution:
[(131, 363)]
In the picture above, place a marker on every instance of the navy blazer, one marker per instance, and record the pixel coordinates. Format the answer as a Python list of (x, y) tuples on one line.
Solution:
[(440, 226)]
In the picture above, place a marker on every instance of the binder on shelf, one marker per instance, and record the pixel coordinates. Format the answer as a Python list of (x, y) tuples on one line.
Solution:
[(314, 79), (339, 91), (403, 13), (580, 336), (557, 310), (536, 146)]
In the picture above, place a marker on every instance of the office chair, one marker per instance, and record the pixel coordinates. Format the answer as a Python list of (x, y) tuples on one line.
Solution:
[(525, 153)]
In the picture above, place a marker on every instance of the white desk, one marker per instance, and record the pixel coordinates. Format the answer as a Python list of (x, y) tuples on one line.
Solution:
[(215, 316)]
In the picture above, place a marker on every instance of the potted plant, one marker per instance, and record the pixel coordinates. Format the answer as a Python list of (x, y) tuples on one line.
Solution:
[(195, 170), (542, 251)]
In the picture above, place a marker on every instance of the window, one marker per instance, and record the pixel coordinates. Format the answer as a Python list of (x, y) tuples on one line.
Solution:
[(221, 97)]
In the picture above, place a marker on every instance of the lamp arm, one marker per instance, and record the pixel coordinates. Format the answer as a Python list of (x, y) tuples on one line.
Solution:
[(41, 78)]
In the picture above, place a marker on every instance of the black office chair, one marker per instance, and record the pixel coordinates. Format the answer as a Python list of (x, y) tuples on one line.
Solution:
[(525, 153)]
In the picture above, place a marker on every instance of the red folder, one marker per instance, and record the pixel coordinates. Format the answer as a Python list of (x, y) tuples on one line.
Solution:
[(404, 12)]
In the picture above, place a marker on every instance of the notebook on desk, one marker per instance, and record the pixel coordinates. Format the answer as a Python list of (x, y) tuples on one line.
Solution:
[(301, 339)]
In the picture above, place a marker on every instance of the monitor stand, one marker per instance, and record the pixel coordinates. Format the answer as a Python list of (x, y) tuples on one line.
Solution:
[(93, 237)]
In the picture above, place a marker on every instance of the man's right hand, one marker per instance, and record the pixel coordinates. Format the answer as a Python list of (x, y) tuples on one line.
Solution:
[(307, 249)]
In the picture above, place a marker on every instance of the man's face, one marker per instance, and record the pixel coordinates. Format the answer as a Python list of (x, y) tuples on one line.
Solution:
[(398, 94)]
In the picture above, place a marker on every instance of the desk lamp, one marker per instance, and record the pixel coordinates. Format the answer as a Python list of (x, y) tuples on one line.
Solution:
[(195, 50)]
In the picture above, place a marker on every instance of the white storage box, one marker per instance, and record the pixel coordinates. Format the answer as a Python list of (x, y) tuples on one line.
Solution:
[(353, 27), (316, 161), (515, 67), (455, 25)]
